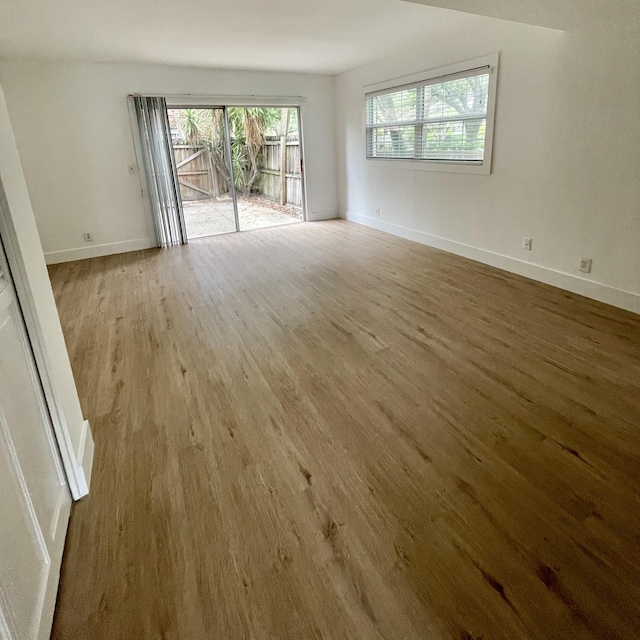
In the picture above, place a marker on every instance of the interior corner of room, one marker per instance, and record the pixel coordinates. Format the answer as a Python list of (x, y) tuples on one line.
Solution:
[(320, 319)]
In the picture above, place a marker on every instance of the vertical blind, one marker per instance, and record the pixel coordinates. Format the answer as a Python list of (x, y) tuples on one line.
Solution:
[(441, 119), (159, 164)]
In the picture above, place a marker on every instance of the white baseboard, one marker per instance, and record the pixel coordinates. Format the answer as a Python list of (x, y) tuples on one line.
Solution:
[(588, 288), (97, 250), (83, 471), (316, 216)]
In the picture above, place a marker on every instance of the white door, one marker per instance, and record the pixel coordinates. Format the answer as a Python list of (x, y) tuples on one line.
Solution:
[(34, 498)]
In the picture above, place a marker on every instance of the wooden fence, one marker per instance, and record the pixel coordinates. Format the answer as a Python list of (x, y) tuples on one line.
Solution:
[(197, 176), (279, 179)]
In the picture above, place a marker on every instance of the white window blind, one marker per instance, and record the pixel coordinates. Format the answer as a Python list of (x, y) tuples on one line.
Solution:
[(442, 119)]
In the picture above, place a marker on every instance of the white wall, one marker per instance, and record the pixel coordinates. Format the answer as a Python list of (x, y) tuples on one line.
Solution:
[(35, 277), (566, 161), (565, 165), (72, 126)]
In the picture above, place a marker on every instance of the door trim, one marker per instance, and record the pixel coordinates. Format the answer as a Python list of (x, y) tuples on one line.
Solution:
[(74, 470), (303, 170)]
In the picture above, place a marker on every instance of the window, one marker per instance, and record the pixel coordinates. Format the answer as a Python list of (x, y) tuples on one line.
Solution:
[(444, 119)]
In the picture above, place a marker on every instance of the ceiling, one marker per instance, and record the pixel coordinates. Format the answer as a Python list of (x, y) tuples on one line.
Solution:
[(289, 35), (326, 36), (558, 14)]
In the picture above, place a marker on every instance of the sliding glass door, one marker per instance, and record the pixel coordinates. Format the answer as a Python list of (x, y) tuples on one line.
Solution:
[(238, 168), (269, 185), (202, 154)]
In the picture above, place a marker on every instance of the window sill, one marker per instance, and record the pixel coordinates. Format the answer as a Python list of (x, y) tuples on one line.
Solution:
[(483, 168)]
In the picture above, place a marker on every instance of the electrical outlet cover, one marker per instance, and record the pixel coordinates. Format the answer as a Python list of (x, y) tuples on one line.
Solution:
[(585, 265)]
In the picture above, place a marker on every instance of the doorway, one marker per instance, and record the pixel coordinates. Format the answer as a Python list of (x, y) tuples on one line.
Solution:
[(35, 496), (238, 168)]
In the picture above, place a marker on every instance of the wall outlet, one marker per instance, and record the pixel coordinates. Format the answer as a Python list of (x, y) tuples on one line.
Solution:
[(526, 243), (133, 168), (88, 237), (377, 211), (585, 265)]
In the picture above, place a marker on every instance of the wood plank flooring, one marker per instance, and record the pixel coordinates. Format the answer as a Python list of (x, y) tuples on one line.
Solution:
[(324, 431)]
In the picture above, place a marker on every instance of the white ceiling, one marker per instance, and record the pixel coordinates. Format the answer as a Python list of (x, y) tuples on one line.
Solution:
[(317, 36), (558, 14), (327, 36)]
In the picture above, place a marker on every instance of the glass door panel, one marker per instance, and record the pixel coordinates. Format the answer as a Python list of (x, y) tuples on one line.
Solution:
[(201, 152), (239, 168), (265, 150)]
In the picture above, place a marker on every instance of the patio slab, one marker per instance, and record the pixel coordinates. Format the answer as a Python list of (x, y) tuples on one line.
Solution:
[(215, 215)]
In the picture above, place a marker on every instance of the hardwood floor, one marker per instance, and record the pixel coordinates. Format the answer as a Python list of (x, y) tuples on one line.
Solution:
[(324, 431)]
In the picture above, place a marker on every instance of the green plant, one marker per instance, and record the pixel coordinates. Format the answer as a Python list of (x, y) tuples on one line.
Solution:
[(248, 128)]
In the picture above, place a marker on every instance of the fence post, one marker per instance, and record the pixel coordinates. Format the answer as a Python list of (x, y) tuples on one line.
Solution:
[(212, 175), (283, 169)]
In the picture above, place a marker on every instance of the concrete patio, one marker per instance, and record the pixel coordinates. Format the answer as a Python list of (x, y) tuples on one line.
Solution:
[(215, 215)]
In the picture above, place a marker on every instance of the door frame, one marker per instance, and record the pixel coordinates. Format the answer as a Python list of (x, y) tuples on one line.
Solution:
[(47, 537), (223, 102), (74, 472), (232, 182)]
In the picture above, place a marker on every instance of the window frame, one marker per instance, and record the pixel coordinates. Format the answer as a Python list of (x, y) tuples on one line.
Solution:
[(433, 77)]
